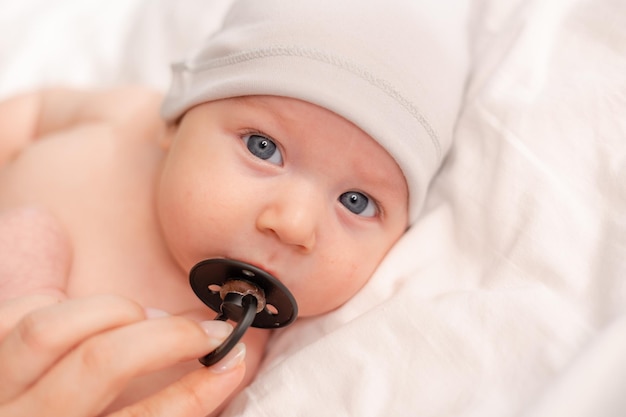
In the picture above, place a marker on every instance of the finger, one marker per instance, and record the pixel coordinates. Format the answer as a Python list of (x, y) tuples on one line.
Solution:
[(105, 363), (197, 394), (43, 336), (12, 311)]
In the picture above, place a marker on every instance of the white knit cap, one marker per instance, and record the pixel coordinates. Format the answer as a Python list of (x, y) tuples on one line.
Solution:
[(395, 68)]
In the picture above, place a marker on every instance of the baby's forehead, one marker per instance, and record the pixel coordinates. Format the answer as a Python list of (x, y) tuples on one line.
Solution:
[(282, 105), (290, 111)]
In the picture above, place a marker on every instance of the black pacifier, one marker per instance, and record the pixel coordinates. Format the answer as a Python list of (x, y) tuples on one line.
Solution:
[(244, 294)]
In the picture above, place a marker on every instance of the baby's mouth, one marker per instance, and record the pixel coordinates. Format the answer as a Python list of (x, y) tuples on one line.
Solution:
[(243, 293)]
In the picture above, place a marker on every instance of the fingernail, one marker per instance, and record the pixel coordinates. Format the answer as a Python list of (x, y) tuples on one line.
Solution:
[(155, 313), (232, 360), (216, 329)]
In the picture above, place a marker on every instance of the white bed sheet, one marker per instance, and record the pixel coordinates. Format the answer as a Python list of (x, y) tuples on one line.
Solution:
[(507, 297)]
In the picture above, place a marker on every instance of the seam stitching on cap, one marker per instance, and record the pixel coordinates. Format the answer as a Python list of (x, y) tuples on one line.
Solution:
[(317, 55)]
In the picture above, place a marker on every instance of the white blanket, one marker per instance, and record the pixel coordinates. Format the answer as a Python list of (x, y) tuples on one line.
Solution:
[(507, 297)]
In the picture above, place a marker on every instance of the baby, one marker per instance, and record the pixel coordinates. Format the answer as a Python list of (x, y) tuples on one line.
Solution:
[(300, 139)]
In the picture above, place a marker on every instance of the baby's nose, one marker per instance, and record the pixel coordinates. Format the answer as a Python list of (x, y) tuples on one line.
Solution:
[(292, 216)]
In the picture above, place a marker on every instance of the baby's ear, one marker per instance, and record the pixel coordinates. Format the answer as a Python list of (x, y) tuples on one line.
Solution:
[(167, 135)]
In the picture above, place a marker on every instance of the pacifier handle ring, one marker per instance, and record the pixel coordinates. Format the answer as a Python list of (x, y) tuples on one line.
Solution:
[(249, 304), (242, 293)]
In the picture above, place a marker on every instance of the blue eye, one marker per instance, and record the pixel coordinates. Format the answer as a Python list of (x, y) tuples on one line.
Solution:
[(358, 203), (264, 148)]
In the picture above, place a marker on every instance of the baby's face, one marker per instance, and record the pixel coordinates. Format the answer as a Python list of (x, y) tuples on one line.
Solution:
[(284, 185)]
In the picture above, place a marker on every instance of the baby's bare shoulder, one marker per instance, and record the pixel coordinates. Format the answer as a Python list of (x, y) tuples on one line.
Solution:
[(122, 104), (135, 111), (33, 115)]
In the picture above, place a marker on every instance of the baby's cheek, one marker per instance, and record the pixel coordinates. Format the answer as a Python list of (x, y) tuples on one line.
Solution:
[(35, 254), (324, 295)]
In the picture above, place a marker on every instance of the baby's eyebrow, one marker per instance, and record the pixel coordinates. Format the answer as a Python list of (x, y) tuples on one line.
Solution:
[(271, 114), (392, 190), (255, 102), (380, 185)]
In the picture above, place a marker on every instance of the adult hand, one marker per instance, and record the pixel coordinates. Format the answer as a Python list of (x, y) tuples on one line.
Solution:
[(72, 358)]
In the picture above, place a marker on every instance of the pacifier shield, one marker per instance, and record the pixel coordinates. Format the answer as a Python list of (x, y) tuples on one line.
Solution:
[(212, 279)]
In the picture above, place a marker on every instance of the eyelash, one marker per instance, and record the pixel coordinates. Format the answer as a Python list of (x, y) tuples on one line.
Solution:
[(378, 208), (247, 132)]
